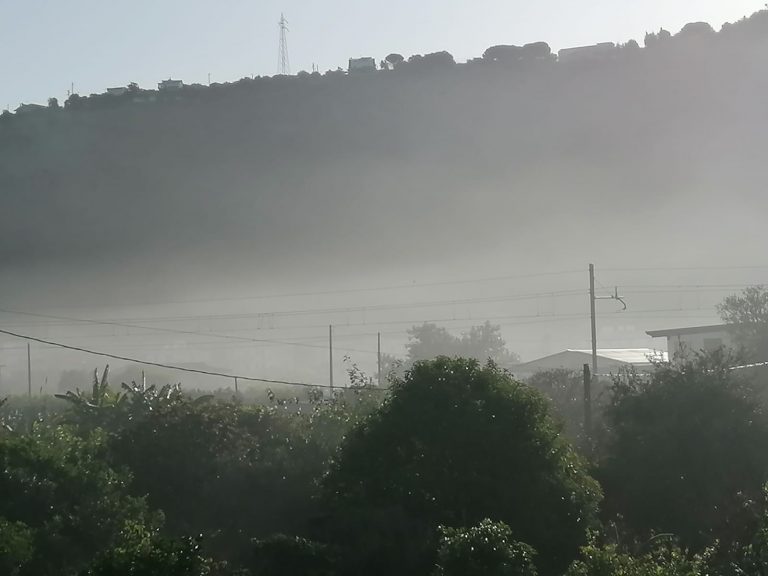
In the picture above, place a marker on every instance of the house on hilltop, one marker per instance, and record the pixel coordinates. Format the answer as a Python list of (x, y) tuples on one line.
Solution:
[(170, 85), (27, 108), (362, 65), (596, 52)]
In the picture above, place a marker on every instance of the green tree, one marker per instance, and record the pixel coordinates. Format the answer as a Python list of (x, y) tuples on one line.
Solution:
[(480, 343), (487, 549), (432, 61), (565, 388), (503, 53), (752, 558), (456, 443), (142, 553), (657, 40), (686, 454), (664, 559), (250, 470), (394, 59), (16, 546), (58, 489), (696, 30), (152, 557), (280, 555), (536, 50), (747, 313)]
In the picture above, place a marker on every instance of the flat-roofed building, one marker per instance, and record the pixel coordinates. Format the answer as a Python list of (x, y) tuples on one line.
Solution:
[(684, 343)]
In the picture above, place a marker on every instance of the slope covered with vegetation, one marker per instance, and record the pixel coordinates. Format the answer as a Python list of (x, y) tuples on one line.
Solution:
[(426, 160)]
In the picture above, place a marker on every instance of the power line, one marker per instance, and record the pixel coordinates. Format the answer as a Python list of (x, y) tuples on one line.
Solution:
[(503, 320), (167, 366), (305, 312), (685, 268), (172, 330), (635, 289), (412, 285)]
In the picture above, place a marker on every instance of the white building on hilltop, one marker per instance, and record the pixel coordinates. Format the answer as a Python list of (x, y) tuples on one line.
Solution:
[(170, 84)]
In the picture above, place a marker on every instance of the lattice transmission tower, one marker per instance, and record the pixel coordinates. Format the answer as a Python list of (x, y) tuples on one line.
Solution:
[(283, 62)]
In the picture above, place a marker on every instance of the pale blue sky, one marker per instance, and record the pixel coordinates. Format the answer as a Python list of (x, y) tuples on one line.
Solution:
[(46, 44)]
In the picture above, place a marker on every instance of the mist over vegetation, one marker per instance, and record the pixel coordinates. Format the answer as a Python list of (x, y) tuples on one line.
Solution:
[(441, 462), (318, 176)]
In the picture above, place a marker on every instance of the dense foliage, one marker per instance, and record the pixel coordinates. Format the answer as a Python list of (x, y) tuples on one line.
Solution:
[(457, 470), (458, 442), (487, 549), (664, 559), (481, 342), (62, 503), (747, 314), (687, 453)]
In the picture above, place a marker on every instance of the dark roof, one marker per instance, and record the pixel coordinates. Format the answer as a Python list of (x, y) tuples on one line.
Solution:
[(691, 330), (27, 107)]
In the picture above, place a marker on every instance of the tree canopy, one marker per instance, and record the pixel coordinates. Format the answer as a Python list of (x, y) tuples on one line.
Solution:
[(687, 454), (459, 442), (487, 549), (747, 313)]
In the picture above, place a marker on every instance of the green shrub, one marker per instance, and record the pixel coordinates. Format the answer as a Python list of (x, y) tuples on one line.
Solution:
[(487, 549)]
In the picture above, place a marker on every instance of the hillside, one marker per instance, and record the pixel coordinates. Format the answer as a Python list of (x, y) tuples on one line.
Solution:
[(653, 154)]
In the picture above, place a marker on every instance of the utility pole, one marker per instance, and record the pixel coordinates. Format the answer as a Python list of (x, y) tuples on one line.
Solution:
[(587, 408), (378, 356), (236, 389), (29, 371), (588, 382), (587, 377), (330, 355), (592, 317)]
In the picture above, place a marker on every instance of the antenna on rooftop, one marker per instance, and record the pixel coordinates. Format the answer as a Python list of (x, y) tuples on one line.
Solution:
[(283, 63)]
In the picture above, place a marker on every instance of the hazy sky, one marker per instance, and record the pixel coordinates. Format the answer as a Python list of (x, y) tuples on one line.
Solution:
[(47, 44)]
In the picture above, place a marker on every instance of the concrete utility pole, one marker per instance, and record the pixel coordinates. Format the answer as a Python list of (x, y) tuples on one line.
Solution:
[(29, 371), (378, 355), (593, 320), (330, 355), (587, 406), (592, 317)]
